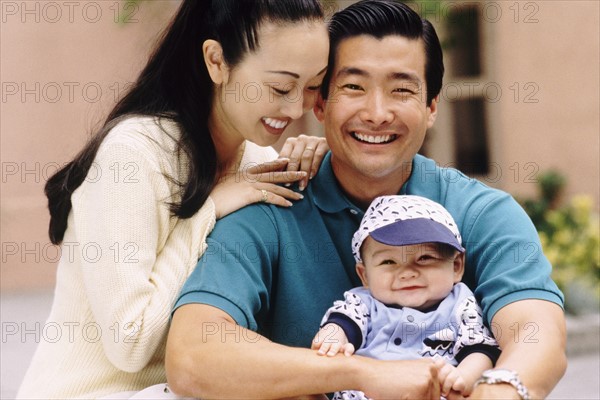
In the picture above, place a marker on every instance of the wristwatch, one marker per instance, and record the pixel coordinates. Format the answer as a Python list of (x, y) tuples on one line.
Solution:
[(492, 376)]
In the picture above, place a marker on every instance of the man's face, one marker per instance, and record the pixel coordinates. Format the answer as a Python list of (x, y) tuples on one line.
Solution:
[(377, 114)]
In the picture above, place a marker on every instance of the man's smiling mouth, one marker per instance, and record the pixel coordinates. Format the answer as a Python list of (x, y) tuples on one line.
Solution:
[(374, 139)]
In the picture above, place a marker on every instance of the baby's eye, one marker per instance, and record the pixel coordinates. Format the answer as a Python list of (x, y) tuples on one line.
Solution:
[(314, 87), (426, 257), (387, 262)]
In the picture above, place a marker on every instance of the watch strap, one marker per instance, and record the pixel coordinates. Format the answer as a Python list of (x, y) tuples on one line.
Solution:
[(491, 377)]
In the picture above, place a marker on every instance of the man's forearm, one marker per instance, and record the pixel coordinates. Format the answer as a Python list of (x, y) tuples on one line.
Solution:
[(219, 359), (532, 336), (209, 356)]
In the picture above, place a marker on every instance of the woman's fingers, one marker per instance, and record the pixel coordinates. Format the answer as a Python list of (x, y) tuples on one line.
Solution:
[(321, 149), (288, 147), (309, 158), (269, 166), (277, 195), (305, 153), (276, 177)]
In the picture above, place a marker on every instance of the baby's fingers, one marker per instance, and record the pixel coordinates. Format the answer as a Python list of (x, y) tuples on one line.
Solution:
[(460, 386), (317, 341), (324, 348), (348, 349), (334, 349), (452, 380)]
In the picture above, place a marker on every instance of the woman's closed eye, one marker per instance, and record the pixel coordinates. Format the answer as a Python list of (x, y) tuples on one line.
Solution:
[(280, 92)]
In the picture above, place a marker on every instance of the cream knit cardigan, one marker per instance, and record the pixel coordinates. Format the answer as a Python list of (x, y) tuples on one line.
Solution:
[(123, 262)]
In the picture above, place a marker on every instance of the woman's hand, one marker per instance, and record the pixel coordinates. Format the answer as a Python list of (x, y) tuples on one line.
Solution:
[(305, 153), (254, 185)]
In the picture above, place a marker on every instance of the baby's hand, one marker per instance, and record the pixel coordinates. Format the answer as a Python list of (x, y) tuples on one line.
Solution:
[(331, 340), (450, 379)]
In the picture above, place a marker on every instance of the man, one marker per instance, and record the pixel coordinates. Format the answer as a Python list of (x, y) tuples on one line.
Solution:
[(244, 321)]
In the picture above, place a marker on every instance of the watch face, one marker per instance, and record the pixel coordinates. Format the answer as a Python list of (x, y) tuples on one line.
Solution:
[(492, 376)]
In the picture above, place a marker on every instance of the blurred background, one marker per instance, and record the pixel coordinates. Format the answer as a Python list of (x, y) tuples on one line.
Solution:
[(519, 110)]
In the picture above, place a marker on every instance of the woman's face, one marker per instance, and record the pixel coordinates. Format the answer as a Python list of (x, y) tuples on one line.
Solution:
[(274, 85)]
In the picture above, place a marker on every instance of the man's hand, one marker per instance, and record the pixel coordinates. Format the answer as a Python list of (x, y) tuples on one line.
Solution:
[(411, 379)]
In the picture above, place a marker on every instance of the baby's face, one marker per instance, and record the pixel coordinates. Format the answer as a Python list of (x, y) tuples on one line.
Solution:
[(417, 276)]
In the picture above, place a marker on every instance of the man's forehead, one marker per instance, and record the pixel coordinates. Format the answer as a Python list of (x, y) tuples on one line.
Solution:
[(356, 55)]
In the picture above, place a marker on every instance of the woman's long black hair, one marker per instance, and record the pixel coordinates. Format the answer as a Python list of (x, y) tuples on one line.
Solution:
[(175, 84)]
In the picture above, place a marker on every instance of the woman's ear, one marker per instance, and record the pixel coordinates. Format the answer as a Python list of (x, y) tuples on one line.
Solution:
[(215, 63)]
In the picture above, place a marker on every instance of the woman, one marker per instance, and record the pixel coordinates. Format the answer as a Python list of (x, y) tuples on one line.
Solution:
[(133, 209)]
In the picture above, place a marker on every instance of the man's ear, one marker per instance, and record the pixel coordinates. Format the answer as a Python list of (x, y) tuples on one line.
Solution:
[(319, 108), (432, 109), (361, 270), (459, 266), (213, 58)]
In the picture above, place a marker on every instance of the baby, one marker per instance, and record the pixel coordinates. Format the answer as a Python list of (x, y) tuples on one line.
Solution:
[(410, 260)]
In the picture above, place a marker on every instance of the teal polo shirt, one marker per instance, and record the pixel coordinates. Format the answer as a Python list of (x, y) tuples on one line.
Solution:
[(277, 270)]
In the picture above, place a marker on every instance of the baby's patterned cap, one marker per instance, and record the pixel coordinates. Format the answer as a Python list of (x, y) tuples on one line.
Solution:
[(406, 220)]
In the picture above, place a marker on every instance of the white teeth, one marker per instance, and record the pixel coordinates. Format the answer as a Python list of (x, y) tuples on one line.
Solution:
[(374, 139), (274, 123)]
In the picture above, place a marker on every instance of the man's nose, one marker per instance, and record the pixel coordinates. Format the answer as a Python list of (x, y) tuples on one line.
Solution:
[(377, 109)]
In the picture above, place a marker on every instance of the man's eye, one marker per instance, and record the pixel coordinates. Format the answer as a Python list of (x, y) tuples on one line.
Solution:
[(352, 86), (405, 91)]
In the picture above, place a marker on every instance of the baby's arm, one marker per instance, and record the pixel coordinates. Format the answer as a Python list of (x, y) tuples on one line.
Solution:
[(462, 378), (331, 340), (343, 327)]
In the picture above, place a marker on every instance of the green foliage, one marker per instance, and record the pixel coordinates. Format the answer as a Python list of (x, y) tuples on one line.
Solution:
[(570, 236)]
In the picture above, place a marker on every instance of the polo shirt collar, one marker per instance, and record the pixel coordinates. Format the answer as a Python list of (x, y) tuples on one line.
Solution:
[(326, 191), (328, 195)]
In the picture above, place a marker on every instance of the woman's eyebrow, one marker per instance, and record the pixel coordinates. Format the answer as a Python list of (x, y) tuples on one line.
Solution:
[(295, 75)]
